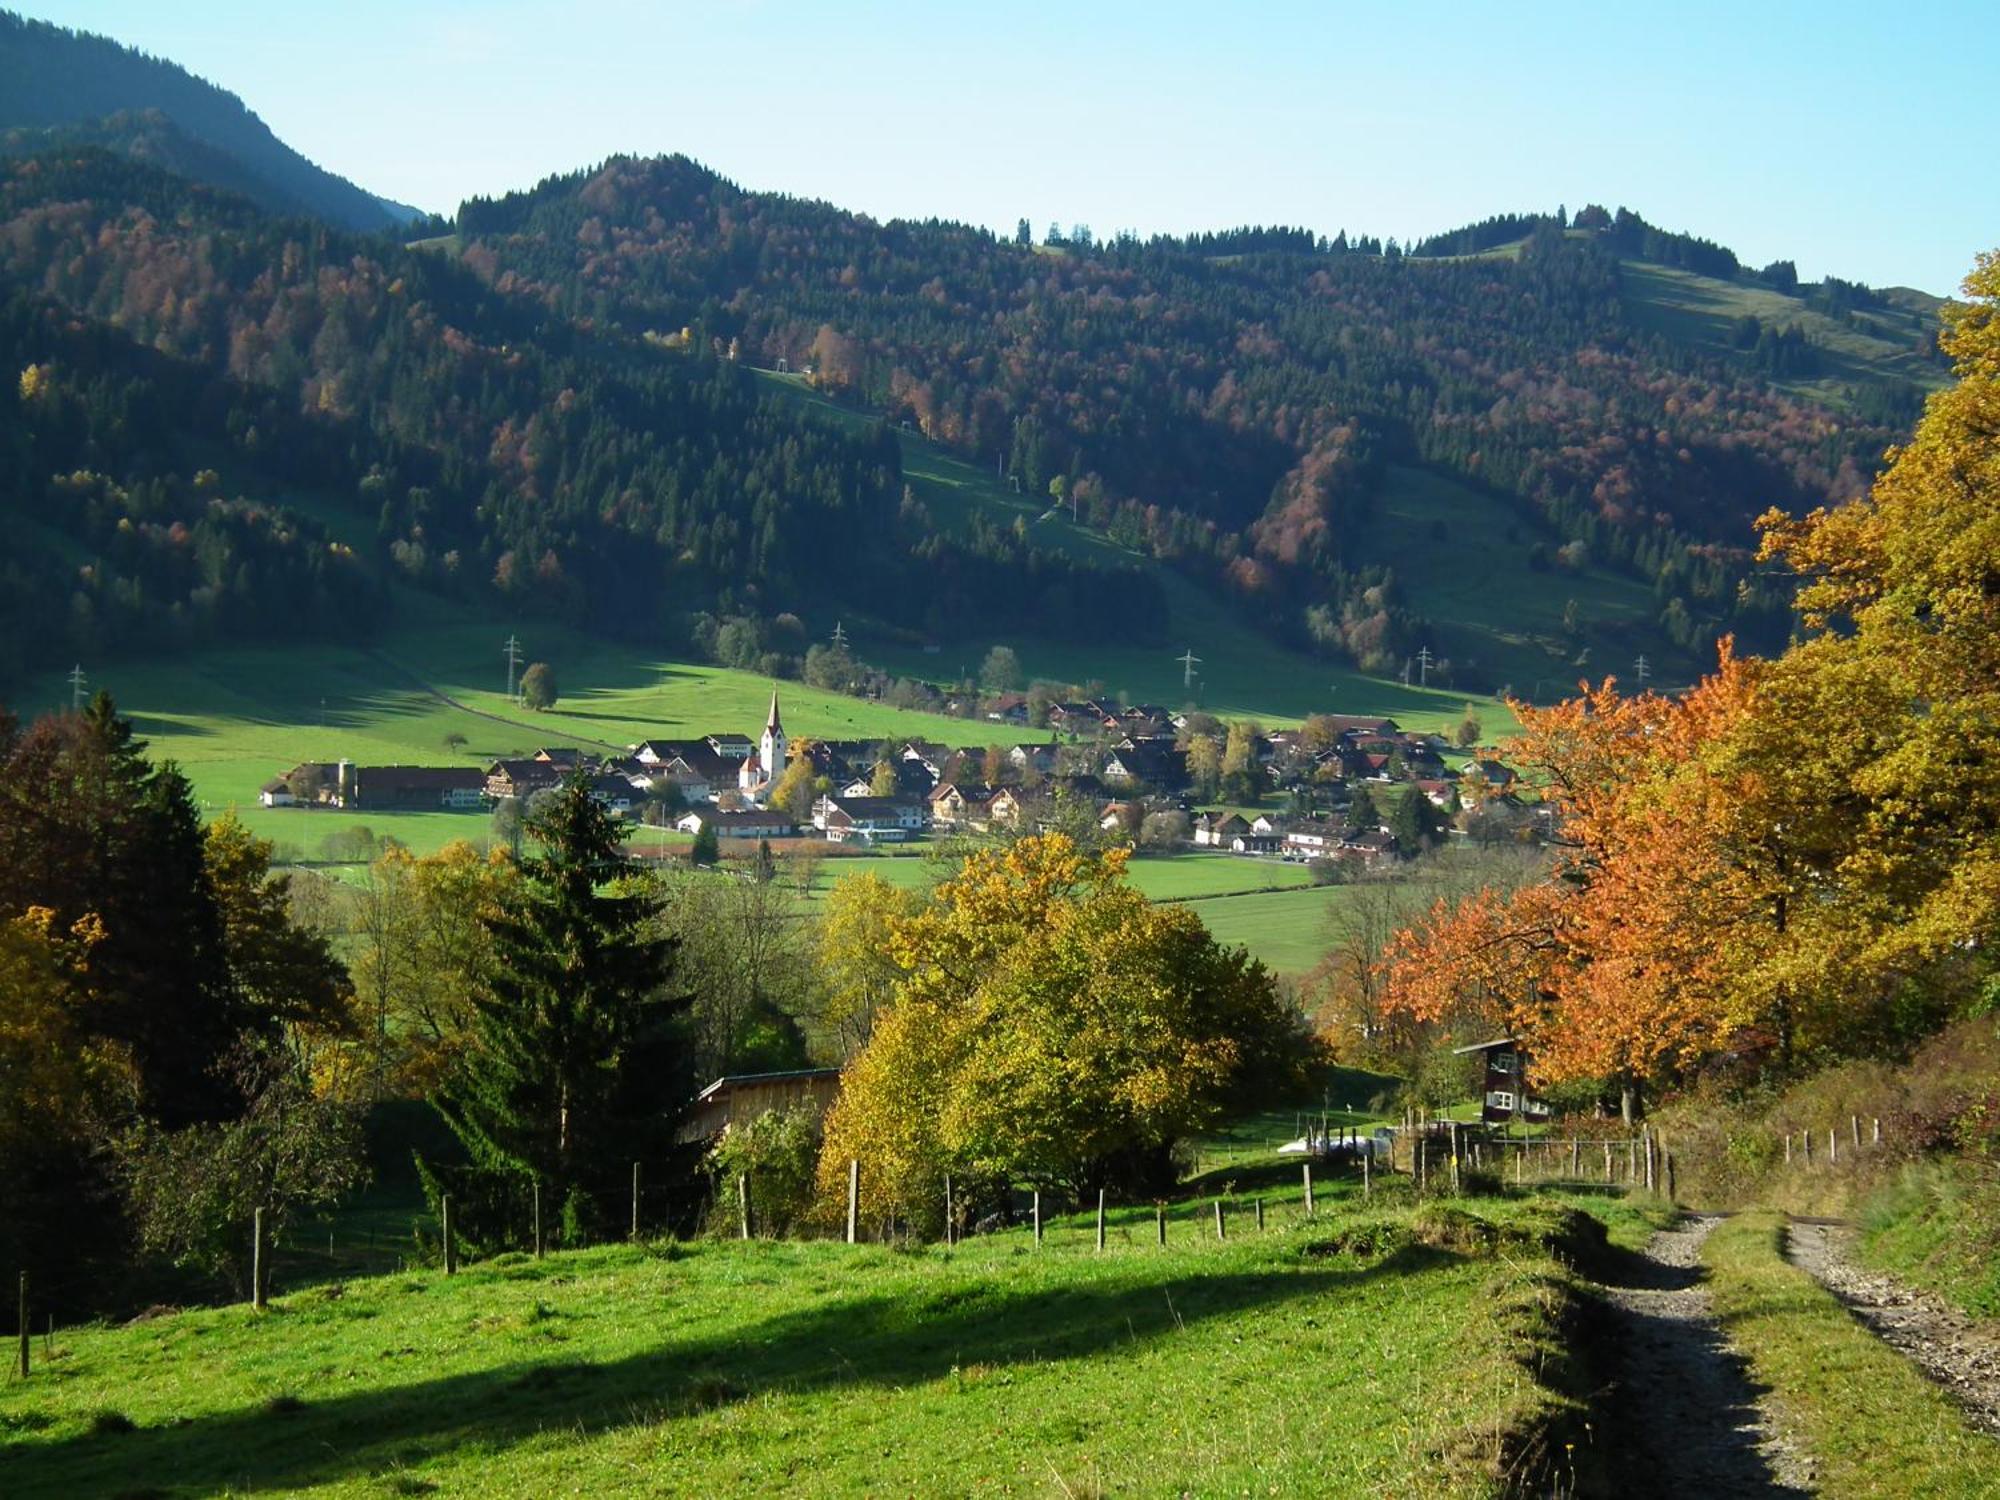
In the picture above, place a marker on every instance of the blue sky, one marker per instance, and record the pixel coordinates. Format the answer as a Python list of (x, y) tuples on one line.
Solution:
[(1858, 139)]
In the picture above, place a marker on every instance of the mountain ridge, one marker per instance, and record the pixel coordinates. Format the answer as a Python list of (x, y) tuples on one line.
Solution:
[(66, 85)]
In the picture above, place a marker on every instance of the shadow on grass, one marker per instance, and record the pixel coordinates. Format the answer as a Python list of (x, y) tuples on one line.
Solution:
[(885, 1341)]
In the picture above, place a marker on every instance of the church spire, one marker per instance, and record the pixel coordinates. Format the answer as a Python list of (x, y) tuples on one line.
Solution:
[(771, 724)]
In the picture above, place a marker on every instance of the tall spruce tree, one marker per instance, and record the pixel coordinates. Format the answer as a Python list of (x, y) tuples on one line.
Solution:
[(576, 1069), (90, 826)]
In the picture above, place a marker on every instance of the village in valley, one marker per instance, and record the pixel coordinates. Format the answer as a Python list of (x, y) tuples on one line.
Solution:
[(1351, 792)]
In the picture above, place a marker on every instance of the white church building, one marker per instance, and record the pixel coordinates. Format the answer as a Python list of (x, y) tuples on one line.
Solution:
[(761, 771)]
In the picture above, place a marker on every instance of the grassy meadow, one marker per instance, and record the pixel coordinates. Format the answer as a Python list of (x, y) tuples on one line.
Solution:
[(1500, 614), (1379, 1348)]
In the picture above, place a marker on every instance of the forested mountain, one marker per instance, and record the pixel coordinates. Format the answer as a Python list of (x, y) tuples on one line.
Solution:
[(175, 345), (65, 88), (232, 416), (1227, 402)]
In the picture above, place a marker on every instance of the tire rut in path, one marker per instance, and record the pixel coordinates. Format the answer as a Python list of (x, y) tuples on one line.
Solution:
[(1958, 1353), (1684, 1418)]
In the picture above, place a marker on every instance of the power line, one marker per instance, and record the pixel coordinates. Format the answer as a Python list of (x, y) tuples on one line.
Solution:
[(513, 661), (76, 682), (1645, 670), (1189, 661), (1424, 667)]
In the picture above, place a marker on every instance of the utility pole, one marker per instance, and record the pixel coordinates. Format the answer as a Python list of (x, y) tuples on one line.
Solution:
[(839, 636), (1424, 667), (76, 682), (1645, 671), (1189, 661), (513, 661)]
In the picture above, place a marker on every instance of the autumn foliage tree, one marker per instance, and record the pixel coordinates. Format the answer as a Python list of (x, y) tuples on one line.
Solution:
[(1795, 858), (1049, 1024)]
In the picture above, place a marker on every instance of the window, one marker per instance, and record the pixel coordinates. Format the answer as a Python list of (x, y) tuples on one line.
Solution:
[(1505, 1062), (1500, 1099)]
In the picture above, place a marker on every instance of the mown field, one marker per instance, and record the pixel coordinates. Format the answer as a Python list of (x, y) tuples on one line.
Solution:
[(1376, 1349)]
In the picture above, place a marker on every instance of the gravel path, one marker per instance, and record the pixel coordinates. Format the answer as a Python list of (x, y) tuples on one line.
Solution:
[(1957, 1352), (1684, 1418)]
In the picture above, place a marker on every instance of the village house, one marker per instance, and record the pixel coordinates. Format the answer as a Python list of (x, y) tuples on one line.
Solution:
[(1218, 830), (870, 820), (951, 802), (520, 778), (1372, 845), (1313, 838), (755, 823)]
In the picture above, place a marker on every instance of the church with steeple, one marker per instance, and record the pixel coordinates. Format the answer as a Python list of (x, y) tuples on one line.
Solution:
[(760, 772)]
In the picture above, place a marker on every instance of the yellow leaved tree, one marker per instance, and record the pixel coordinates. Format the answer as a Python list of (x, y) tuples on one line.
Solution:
[(1050, 1025)]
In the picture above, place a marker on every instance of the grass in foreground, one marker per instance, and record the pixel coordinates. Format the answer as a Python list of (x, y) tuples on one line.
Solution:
[(1874, 1425), (1367, 1352)]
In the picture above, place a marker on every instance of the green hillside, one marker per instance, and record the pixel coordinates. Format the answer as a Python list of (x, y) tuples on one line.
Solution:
[(818, 1368), (1703, 311), (1465, 561), (1241, 671)]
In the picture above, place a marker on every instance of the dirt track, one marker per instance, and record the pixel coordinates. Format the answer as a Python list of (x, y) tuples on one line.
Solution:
[(1958, 1353), (1684, 1417)]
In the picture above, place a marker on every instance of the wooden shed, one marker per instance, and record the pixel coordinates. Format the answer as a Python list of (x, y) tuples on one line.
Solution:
[(744, 1096), (1503, 1091)]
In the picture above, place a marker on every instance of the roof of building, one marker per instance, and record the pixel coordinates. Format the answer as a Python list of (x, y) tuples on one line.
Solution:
[(1495, 1044), (737, 1080)]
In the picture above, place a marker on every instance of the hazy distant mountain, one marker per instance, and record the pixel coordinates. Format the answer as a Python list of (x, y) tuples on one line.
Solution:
[(66, 87)]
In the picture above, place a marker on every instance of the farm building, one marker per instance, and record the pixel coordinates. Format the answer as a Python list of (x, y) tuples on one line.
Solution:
[(870, 820), (744, 1096), (1504, 1091), (738, 825)]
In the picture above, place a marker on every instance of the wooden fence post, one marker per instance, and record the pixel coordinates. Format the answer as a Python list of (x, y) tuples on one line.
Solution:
[(1576, 1158), (947, 1210), (1160, 1220), (635, 1200), (450, 1249), (257, 1260), (1805, 1139), (1607, 1163), (1877, 1140), (1672, 1196), (1632, 1159), (1038, 1218), (537, 1185), (1220, 1232), (743, 1204), (1260, 1215), (1832, 1147), (1854, 1126), (853, 1198), (24, 1325), (1100, 1221), (1788, 1148), (1309, 1189), (1367, 1191)]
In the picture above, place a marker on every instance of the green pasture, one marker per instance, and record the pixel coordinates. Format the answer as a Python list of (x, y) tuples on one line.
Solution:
[(1703, 311), (1363, 1352), (1289, 930), (1462, 561)]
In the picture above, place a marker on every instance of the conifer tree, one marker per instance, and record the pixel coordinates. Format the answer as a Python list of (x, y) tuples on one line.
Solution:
[(575, 1070)]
